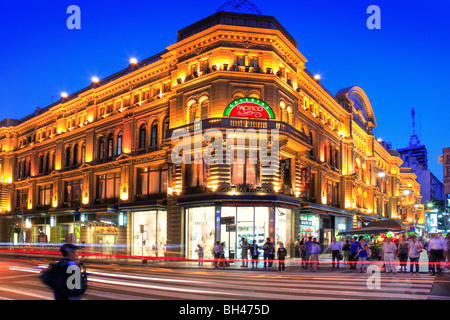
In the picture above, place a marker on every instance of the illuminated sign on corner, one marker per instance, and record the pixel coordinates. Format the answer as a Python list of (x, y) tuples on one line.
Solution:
[(249, 108)]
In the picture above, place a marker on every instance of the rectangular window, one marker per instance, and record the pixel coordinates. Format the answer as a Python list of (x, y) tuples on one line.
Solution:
[(245, 171), (136, 98), (45, 195), (151, 180), (22, 199), (73, 190), (193, 174), (332, 192), (108, 186)]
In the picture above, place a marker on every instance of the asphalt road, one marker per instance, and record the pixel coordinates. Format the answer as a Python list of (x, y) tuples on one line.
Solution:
[(20, 281)]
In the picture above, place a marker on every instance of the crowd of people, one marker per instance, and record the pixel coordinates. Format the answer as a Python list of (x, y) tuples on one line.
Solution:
[(355, 253)]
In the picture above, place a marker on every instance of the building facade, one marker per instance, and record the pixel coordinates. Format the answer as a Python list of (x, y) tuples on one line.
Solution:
[(97, 167)]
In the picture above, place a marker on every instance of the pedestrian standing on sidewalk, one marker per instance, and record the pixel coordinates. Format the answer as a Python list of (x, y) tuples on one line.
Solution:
[(303, 252), (414, 250), (363, 256), (336, 251), (448, 251), (269, 253), (199, 251), (217, 253), (402, 253), (308, 247), (353, 257), (389, 249), (445, 250), (254, 252), (282, 253), (315, 250), (297, 248), (244, 253), (436, 250), (346, 251)]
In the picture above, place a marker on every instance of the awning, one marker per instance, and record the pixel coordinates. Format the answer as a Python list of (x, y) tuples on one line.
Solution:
[(318, 211), (369, 230), (389, 223)]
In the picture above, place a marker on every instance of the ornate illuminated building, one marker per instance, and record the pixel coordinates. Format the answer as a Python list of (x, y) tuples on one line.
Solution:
[(96, 166)]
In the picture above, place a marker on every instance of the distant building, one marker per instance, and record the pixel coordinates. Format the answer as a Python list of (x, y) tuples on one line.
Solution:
[(415, 156)]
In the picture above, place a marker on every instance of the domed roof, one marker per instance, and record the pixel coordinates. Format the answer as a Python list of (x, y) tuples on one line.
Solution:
[(239, 6)]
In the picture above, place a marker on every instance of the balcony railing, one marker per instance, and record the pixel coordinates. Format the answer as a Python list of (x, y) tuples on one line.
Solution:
[(238, 123)]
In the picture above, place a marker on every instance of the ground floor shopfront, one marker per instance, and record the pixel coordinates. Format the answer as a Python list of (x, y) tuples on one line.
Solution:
[(144, 231)]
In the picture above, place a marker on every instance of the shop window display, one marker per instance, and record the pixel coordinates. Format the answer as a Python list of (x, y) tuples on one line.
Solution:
[(149, 233), (200, 230), (282, 227), (309, 226)]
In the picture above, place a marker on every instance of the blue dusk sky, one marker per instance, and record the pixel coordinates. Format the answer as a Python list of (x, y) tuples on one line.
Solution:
[(403, 64)]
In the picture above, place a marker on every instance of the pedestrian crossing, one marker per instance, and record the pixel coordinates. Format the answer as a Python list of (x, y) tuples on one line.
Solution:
[(160, 284)]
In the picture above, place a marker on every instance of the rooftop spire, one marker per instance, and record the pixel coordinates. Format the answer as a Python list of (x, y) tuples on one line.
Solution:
[(414, 139)]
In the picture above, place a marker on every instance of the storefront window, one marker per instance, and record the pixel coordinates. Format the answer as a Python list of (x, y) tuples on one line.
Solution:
[(309, 226), (342, 224), (282, 227), (40, 233), (252, 223), (200, 230), (149, 233)]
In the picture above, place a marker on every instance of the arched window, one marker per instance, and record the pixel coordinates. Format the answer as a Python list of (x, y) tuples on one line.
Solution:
[(336, 158), (101, 148), (68, 153), (192, 108), (331, 159), (119, 143), (41, 164), (110, 146), (204, 109), (47, 162), (154, 134), (165, 127), (142, 136), (83, 153), (75, 155), (311, 152), (289, 115), (53, 160)]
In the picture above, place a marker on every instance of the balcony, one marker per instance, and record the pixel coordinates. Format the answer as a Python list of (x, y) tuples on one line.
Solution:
[(242, 123)]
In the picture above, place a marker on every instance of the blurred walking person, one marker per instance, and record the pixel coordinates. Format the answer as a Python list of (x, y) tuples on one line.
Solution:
[(66, 278)]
